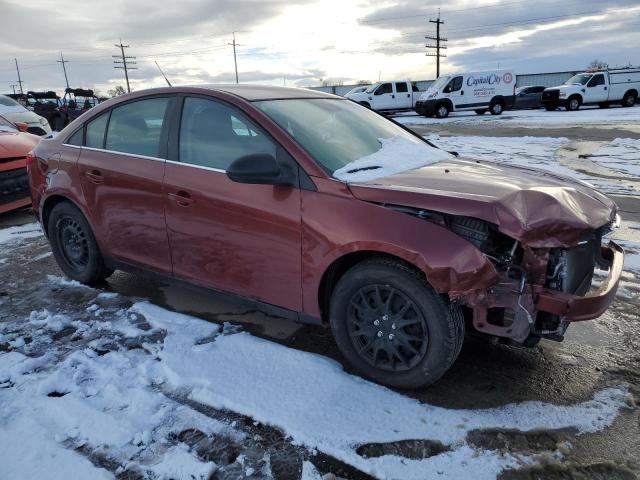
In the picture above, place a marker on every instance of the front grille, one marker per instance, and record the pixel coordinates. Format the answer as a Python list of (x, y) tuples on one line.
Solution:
[(550, 95), (36, 131), (14, 185)]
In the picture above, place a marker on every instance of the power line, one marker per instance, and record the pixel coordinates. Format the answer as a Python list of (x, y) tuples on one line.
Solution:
[(123, 63)]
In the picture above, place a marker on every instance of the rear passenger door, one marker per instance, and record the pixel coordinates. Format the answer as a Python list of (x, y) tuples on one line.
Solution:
[(121, 169), (235, 237), (403, 95)]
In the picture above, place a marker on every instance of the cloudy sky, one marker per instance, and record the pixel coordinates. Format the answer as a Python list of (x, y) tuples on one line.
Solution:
[(299, 42)]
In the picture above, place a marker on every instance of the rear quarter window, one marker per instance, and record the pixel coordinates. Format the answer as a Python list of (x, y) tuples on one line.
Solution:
[(75, 138), (95, 131)]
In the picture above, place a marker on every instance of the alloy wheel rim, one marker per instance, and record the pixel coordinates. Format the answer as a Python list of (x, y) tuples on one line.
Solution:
[(386, 328), (574, 104), (497, 108), (442, 111), (74, 244)]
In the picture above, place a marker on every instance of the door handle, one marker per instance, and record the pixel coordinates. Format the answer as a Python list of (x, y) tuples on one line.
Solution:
[(94, 176), (393, 96), (182, 198), (605, 88), (408, 95), (461, 92)]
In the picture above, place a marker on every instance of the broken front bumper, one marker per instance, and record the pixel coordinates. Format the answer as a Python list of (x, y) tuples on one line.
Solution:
[(574, 308)]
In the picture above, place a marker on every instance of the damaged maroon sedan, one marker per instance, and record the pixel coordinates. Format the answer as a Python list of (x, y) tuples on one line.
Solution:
[(320, 210)]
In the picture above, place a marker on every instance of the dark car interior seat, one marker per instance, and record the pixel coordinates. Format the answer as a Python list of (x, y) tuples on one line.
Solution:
[(130, 133)]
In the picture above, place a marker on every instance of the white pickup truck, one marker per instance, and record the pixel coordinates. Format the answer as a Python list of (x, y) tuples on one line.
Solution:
[(601, 88), (393, 95)]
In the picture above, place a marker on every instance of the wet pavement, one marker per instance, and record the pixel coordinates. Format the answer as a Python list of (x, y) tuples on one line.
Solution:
[(594, 355)]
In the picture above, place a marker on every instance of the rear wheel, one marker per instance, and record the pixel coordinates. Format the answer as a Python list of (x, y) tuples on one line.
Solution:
[(392, 327), (496, 109), (481, 111), (74, 246), (442, 110), (629, 99)]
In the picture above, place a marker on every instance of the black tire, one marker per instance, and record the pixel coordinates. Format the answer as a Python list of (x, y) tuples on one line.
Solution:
[(496, 108), (421, 351), (573, 104), (74, 246), (481, 111), (629, 99), (442, 110), (550, 108)]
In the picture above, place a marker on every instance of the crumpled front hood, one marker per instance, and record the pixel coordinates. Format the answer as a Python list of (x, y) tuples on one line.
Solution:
[(16, 144), (538, 208)]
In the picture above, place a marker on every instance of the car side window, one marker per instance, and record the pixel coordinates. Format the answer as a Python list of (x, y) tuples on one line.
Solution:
[(75, 138), (414, 88), (596, 80), (384, 88), (95, 131), (136, 127), (213, 135), (401, 87), (456, 84)]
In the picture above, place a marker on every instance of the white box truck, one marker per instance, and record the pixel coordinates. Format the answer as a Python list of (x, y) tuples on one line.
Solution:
[(493, 91), (388, 95), (601, 88)]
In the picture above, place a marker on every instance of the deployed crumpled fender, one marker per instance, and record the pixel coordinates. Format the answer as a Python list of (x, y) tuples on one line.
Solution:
[(451, 264)]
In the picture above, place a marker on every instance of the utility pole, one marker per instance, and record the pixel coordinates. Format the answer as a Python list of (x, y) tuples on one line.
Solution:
[(438, 46), (124, 63), (235, 61), (14, 88), (63, 61), (19, 79)]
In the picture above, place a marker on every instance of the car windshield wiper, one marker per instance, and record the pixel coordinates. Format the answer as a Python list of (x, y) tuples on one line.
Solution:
[(360, 169)]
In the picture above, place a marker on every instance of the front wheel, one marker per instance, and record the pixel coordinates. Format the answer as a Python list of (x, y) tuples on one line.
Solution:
[(442, 111), (392, 327), (573, 104), (74, 246)]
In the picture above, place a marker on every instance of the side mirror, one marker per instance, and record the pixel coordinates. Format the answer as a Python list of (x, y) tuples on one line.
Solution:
[(259, 168), (21, 126)]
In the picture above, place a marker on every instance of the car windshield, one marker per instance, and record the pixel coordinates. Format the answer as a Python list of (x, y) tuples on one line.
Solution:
[(372, 88), (350, 141), (8, 102), (440, 82), (6, 125), (580, 79)]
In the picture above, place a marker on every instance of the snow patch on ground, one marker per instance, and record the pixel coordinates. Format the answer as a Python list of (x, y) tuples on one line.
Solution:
[(16, 234), (397, 154), (118, 400), (622, 155), (584, 116), (536, 152)]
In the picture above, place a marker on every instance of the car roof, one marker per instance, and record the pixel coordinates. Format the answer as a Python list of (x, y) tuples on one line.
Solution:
[(266, 92)]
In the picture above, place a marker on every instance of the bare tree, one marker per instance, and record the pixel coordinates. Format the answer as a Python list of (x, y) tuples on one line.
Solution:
[(597, 65), (116, 91), (363, 82)]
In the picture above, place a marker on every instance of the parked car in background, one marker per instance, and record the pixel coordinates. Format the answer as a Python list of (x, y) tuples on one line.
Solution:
[(320, 210), (601, 88), (75, 102), (14, 182), (478, 91), (359, 89), (13, 111), (528, 97), (393, 95)]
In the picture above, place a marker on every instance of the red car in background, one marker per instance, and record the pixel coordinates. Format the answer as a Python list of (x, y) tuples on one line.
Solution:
[(321, 210), (15, 143)]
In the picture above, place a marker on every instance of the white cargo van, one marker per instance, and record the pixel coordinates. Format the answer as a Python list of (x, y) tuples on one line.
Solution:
[(388, 95), (595, 88), (493, 90)]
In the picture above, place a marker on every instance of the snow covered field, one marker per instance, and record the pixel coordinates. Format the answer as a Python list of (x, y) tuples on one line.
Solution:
[(620, 159), (584, 116)]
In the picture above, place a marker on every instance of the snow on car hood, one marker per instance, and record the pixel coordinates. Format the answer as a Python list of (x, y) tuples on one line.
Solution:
[(539, 208), (24, 115), (397, 154)]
